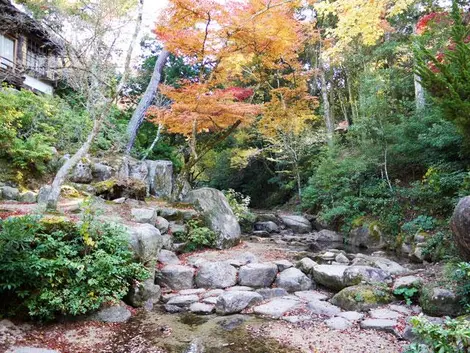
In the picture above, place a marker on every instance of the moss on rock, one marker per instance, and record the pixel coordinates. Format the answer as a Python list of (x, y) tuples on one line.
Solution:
[(362, 297)]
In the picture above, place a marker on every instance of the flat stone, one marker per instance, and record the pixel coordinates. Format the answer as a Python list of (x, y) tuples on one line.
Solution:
[(323, 308), (167, 257), (351, 315), (392, 267), (297, 318), (213, 293), (293, 280), (309, 295), (210, 300), (338, 323), (201, 308), (173, 309), (298, 224), (400, 309), (216, 275), (257, 275), (269, 293), (183, 300), (386, 325), (283, 264), (234, 302), (330, 276), (116, 313), (306, 265), (192, 291), (354, 275), (177, 277), (342, 259), (239, 288), (268, 226), (144, 215), (30, 350), (384, 314), (276, 308)]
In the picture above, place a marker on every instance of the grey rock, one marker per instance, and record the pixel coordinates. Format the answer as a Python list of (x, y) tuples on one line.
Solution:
[(168, 296), (351, 315), (43, 194), (460, 225), (283, 264), (202, 308), (293, 280), (167, 242), (297, 318), (160, 178), (167, 257), (362, 297), (330, 276), (401, 309), (298, 224), (338, 323), (232, 322), (146, 293), (197, 291), (269, 293), (328, 236), (392, 267), (407, 282), (28, 197), (119, 201), (146, 242), (384, 314), (386, 325), (177, 229), (144, 215), (268, 226), (217, 214), (213, 293), (240, 288), (276, 308), (82, 172), (437, 301), (323, 308), (210, 300), (234, 302), (216, 275), (306, 265), (310, 295), (162, 224), (9, 193), (365, 274), (258, 275), (367, 236), (101, 172), (116, 313), (177, 277), (183, 300), (173, 309), (342, 259)]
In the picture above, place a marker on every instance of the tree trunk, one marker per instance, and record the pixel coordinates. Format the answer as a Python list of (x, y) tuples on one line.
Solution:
[(153, 143), (419, 94), (326, 107), (146, 100), (50, 203)]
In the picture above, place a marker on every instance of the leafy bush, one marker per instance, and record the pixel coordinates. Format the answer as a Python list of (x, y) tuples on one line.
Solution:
[(420, 223), (461, 275), (239, 204), (50, 266), (198, 236), (408, 293), (451, 337)]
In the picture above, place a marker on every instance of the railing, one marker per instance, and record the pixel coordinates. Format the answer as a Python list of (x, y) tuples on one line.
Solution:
[(8, 65), (37, 69)]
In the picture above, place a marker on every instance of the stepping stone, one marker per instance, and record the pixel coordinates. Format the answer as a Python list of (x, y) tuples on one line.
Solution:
[(306, 265), (239, 288), (234, 302), (183, 300), (283, 264), (386, 325), (201, 308), (210, 300), (177, 277), (192, 291), (216, 275), (257, 275), (351, 315), (293, 280), (116, 313), (296, 319), (168, 257), (358, 274), (384, 314), (342, 259), (323, 308), (338, 323), (173, 309), (330, 276), (276, 308), (311, 295), (213, 293), (269, 293), (168, 296), (400, 309)]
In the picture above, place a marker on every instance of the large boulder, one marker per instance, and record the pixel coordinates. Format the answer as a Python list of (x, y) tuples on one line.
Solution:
[(438, 301), (9, 193), (160, 178), (216, 275), (359, 274), (82, 172), (144, 215), (306, 265), (328, 236), (298, 224), (219, 217), (28, 197), (112, 189), (368, 236), (362, 297), (146, 242), (293, 280), (236, 301), (268, 226), (330, 276), (460, 225), (177, 277), (101, 171), (257, 275), (387, 265)]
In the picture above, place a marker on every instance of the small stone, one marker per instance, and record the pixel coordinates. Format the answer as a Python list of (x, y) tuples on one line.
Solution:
[(354, 275), (342, 259), (386, 325), (407, 282), (144, 215), (162, 224), (257, 275), (116, 313), (276, 308), (293, 280), (311, 295), (9, 193), (306, 265), (351, 315), (166, 297), (338, 323), (167, 257), (269, 293), (268, 226), (201, 308), (173, 309), (119, 201), (323, 308), (400, 309), (283, 265), (239, 288), (330, 276), (28, 197), (384, 314), (183, 300), (234, 302)]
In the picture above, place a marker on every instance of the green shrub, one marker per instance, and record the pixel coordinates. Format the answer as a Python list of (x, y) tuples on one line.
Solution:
[(50, 267), (198, 236), (461, 276), (451, 337), (239, 204), (407, 293)]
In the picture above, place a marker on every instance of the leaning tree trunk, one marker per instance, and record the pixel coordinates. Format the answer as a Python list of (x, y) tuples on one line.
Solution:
[(50, 202), (146, 100), (326, 108)]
